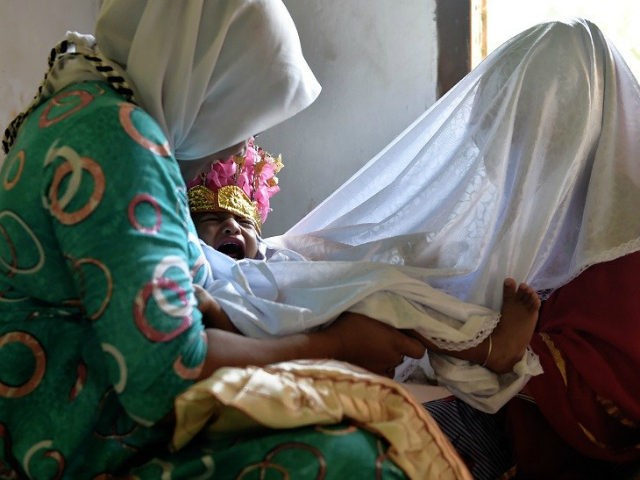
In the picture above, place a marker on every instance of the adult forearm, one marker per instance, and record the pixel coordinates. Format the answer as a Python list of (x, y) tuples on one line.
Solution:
[(234, 350), (352, 338)]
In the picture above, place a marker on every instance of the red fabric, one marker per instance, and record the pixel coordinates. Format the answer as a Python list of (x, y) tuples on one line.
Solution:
[(593, 324), (539, 452)]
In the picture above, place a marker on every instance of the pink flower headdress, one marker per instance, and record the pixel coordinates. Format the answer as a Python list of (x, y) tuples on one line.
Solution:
[(241, 185)]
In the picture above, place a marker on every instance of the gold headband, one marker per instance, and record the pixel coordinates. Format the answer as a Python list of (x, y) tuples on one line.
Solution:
[(229, 198)]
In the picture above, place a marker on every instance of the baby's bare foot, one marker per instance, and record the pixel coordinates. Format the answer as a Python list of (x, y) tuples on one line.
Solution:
[(519, 314)]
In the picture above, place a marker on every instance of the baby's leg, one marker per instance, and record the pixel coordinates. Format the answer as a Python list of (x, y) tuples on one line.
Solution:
[(507, 343), (509, 340)]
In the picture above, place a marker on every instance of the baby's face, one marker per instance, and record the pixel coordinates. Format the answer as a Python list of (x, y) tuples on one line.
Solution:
[(230, 234)]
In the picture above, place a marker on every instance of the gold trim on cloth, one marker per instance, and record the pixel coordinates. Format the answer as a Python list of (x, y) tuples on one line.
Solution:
[(319, 392), (607, 405), (557, 356), (614, 411)]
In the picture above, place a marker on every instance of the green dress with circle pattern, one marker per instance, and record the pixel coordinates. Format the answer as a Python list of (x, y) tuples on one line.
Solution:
[(99, 331)]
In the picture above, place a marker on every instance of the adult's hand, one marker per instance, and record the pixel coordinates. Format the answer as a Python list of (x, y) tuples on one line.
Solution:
[(352, 338), (371, 344)]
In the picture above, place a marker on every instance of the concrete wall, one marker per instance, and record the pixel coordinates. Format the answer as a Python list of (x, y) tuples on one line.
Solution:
[(28, 31), (376, 61)]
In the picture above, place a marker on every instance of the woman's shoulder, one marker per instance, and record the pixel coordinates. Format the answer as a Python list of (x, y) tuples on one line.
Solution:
[(93, 110), (81, 97), (85, 99)]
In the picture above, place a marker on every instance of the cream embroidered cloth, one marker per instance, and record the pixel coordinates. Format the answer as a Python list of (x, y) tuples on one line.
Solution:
[(294, 394)]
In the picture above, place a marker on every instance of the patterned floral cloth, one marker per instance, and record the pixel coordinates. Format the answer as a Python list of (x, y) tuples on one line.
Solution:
[(98, 326)]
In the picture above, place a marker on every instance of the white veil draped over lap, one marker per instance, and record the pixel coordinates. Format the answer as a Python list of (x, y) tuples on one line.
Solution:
[(527, 168)]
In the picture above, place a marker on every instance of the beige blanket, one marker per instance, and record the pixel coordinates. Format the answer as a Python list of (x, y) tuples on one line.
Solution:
[(294, 394)]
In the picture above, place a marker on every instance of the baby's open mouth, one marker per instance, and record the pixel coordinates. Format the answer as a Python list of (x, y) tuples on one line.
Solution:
[(232, 249)]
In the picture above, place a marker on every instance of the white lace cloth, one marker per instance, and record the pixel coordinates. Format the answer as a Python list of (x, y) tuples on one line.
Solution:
[(287, 294), (528, 168)]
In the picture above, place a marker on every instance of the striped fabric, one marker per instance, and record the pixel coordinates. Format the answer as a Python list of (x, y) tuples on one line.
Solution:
[(479, 437)]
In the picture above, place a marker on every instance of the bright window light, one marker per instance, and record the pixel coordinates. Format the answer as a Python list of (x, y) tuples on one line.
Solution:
[(499, 20)]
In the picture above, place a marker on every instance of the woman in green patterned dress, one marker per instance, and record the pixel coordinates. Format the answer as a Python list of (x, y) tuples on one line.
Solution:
[(99, 330)]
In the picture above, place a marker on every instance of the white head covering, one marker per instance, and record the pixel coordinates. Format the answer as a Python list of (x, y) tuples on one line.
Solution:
[(211, 72), (529, 167)]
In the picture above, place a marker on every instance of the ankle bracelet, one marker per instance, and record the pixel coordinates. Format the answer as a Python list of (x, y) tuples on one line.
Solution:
[(486, 359)]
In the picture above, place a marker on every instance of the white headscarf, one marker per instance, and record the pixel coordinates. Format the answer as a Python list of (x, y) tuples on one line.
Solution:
[(211, 72), (529, 167)]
